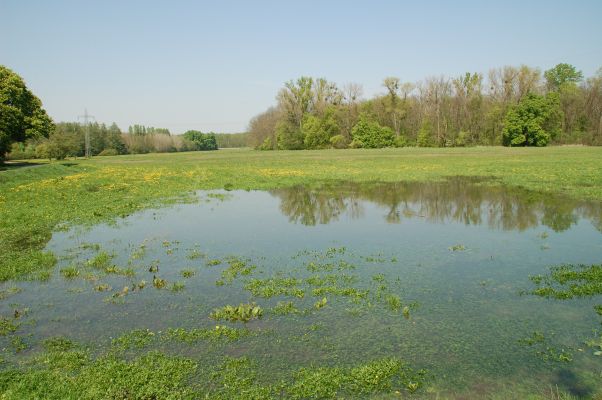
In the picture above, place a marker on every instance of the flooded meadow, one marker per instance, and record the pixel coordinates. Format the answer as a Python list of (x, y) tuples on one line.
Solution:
[(347, 290)]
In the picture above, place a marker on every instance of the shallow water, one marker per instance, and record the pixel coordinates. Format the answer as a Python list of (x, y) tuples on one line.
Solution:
[(457, 253)]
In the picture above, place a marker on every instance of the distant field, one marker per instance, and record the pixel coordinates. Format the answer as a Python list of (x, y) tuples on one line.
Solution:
[(35, 201)]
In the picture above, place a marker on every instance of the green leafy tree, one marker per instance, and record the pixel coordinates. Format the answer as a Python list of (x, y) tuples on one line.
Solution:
[(424, 137), (114, 139), (370, 134), (202, 141), (21, 114), (288, 136), (318, 131), (534, 121), (562, 74)]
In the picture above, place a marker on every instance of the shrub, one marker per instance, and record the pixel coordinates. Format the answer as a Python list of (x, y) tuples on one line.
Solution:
[(339, 142), (369, 134)]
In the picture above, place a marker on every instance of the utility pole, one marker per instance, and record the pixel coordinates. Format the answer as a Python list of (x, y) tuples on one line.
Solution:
[(86, 117)]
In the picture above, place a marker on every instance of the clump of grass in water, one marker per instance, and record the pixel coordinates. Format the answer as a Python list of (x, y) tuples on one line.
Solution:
[(101, 260), (242, 313), (214, 262), (194, 254), (187, 273), (284, 308), (457, 247), (7, 326), (236, 267), (9, 292), (103, 287), (320, 303), (177, 286), (158, 282), (70, 272), (276, 286)]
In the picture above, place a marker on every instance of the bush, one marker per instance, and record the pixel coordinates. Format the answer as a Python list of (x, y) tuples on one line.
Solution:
[(369, 134), (339, 142), (108, 152), (400, 141)]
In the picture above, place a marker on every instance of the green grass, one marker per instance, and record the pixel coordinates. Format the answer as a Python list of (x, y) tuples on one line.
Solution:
[(34, 201)]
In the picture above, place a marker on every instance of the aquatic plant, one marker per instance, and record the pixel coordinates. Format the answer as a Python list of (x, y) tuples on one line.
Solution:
[(393, 301), (275, 286), (154, 267), (7, 326), (158, 282), (406, 312), (194, 254), (236, 267), (187, 273), (135, 339), (177, 286), (9, 292), (219, 332), (544, 350), (103, 287), (284, 308), (457, 247), (242, 312), (101, 260), (70, 272), (18, 343), (320, 303)]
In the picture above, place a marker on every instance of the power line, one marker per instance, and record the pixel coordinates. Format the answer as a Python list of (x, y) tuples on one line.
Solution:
[(87, 118)]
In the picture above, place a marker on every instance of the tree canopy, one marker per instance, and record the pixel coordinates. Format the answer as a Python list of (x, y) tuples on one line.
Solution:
[(201, 141), (466, 110), (534, 121), (21, 113)]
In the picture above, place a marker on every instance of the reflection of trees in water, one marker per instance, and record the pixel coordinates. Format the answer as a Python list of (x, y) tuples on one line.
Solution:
[(457, 200)]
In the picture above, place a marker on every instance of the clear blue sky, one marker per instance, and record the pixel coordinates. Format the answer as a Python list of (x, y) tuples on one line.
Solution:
[(213, 65)]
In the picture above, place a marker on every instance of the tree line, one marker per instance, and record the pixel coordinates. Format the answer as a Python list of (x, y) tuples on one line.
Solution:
[(512, 106), (67, 139)]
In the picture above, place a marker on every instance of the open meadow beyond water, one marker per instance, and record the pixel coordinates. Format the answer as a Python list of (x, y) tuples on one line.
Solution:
[(391, 273)]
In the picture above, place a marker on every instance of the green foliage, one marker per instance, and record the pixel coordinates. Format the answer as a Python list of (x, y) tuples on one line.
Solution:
[(424, 137), (284, 308), (267, 144), (220, 332), (242, 313), (202, 141), (317, 132), (532, 122), (367, 133), (276, 286), (231, 140), (136, 339), (289, 136), (339, 142), (561, 75), (568, 281), (21, 114), (379, 376)]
